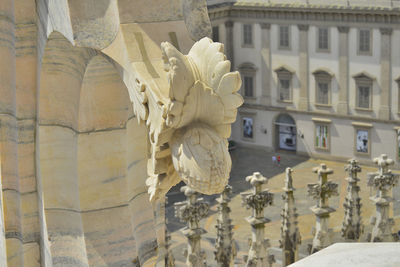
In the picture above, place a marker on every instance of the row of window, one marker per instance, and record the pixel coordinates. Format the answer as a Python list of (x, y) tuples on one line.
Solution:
[(323, 82), (323, 38), (362, 144), (362, 135)]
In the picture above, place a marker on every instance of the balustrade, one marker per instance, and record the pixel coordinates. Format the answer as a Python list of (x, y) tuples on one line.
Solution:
[(257, 199)]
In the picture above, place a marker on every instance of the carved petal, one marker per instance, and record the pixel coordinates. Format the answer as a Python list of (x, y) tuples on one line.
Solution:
[(179, 71)]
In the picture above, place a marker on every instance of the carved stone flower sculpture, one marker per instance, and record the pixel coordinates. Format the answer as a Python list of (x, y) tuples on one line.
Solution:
[(203, 104)]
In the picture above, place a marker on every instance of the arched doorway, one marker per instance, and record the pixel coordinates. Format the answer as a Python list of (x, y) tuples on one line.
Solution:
[(285, 132)]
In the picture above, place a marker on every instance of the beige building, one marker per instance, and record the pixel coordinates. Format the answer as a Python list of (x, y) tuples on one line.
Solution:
[(318, 77)]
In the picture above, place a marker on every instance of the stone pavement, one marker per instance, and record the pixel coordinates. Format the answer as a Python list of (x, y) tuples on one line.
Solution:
[(245, 161)]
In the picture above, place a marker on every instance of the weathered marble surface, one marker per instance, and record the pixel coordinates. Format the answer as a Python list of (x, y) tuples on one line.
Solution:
[(354, 255)]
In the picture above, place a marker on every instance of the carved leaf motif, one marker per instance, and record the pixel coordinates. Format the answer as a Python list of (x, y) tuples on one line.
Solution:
[(194, 121), (206, 65)]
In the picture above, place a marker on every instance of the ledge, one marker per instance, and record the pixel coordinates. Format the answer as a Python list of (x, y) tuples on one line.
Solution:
[(318, 105), (362, 124), (322, 120), (355, 255)]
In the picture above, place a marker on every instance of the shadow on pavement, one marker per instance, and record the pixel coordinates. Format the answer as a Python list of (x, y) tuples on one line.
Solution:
[(245, 161)]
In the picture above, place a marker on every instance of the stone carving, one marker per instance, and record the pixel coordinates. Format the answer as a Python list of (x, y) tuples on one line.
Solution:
[(191, 212), (169, 260), (225, 246), (257, 200), (382, 181), (290, 235), (189, 131), (352, 226), (321, 191)]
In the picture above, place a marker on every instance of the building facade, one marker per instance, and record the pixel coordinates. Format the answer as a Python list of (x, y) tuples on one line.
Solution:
[(318, 77)]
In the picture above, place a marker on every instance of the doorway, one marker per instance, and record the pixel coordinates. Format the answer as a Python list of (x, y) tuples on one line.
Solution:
[(285, 132)]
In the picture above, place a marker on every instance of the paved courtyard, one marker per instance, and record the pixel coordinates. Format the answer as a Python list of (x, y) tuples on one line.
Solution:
[(245, 161)]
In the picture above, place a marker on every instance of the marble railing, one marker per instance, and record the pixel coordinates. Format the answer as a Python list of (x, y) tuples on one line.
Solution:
[(194, 209)]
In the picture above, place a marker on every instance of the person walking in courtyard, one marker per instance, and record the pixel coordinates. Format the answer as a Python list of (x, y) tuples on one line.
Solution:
[(279, 160), (274, 160)]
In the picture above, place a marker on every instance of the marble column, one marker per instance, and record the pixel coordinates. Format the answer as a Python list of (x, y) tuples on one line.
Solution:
[(265, 63), (385, 62), (229, 43), (343, 105), (303, 67), (8, 141)]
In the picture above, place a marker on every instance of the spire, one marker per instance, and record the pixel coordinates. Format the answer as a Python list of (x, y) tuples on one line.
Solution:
[(257, 200), (383, 182), (321, 191), (225, 246), (352, 226), (191, 212), (290, 235)]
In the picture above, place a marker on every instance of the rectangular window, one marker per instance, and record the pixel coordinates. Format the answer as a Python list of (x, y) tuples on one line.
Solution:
[(321, 136), (284, 40), (364, 96), (364, 41), (323, 93), (248, 86), (284, 89), (215, 33), (247, 127), (247, 34), (362, 141), (323, 39)]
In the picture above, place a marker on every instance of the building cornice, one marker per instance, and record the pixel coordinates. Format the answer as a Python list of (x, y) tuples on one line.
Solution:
[(339, 15)]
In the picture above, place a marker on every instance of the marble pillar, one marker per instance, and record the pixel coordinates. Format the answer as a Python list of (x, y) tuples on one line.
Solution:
[(343, 77), (229, 43), (303, 103), (385, 63), (8, 138), (265, 64)]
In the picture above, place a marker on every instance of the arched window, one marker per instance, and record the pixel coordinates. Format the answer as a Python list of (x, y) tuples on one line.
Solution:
[(248, 72)]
